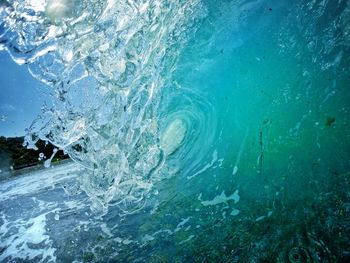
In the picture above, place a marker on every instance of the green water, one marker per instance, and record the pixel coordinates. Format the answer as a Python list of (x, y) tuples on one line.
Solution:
[(256, 95), (281, 139)]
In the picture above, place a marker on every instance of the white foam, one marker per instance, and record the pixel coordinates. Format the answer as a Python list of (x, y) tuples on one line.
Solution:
[(234, 212), (35, 181), (147, 238), (28, 232), (260, 218), (181, 224), (222, 198), (187, 239), (235, 170), (106, 230)]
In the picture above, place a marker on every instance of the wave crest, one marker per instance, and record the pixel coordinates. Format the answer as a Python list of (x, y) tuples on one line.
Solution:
[(106, 62)]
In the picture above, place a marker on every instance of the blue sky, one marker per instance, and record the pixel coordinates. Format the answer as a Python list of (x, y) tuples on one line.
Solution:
[(21, 97)]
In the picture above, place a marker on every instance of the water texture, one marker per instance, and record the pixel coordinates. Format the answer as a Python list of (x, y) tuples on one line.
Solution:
[(203, 131)]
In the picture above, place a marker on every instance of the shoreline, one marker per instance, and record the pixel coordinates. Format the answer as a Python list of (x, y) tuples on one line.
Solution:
[(12, 174)]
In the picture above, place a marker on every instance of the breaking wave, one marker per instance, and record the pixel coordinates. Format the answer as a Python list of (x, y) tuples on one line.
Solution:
[(106, 63)]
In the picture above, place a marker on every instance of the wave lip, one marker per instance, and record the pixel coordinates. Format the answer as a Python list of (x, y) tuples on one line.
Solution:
[(106, 62)]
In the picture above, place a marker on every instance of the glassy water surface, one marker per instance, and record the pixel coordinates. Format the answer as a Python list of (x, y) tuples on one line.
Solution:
[(201, 131)]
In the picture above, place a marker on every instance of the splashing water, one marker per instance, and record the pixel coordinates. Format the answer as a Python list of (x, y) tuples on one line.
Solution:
[(207, 131), (106, 62)]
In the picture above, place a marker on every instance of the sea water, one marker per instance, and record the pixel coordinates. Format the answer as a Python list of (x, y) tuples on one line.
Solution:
[(204, 131)]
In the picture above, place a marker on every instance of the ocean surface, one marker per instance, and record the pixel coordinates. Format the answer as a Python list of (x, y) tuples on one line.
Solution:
[(200, 131)]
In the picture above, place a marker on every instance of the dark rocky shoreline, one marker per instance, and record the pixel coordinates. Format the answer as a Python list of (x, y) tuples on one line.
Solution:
[(14, 157)]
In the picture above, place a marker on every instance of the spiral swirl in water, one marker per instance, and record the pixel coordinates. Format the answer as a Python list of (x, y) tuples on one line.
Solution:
[(198, 118)]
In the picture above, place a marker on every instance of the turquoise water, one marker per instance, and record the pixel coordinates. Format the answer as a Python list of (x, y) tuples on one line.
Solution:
[(213, 131)]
